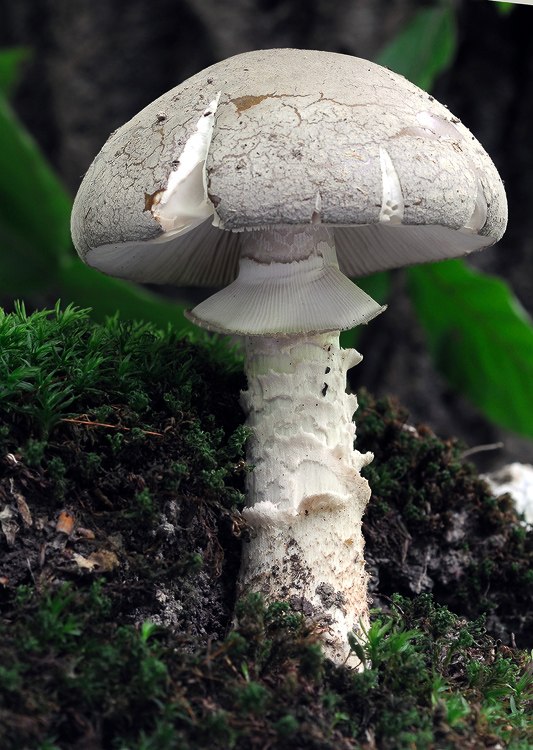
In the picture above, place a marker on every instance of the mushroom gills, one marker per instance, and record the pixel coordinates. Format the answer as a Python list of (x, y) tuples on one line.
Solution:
[(289, 282)]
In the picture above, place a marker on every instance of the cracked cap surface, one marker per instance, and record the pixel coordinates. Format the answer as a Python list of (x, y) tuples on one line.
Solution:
[(298, 137)]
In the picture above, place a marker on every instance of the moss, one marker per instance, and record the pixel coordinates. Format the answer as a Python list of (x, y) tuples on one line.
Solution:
[(121, 479), (432, 525), (71, 675), (122, 427)]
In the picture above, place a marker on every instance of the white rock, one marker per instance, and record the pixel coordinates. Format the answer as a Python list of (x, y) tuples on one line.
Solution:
[(517, 480)]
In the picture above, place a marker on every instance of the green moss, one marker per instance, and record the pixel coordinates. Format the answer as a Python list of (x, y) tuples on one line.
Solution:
[(118, 582), (110, 390), (137, 688), (433, 525), (143, 503), (143, 448)]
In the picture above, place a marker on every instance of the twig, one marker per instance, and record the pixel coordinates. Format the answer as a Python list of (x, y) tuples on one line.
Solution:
[(102, 424), (480, 448)]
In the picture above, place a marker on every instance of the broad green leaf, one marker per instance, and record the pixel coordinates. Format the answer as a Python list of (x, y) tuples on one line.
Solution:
[(22, 270), (34, 209), (424, 48), (504, 8), (480, 337), (377, 286), (33, 204), (86, 287), (420, 52), (11, 61)]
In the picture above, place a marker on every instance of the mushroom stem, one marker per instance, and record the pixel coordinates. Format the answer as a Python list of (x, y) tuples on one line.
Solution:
[(306, 496)]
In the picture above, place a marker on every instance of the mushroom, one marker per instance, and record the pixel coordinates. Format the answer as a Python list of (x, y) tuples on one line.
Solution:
[(276, 175)]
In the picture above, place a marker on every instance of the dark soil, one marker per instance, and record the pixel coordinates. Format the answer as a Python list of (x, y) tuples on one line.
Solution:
[(433, 525)]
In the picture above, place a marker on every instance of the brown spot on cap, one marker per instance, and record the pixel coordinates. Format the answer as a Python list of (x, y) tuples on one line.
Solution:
[(245, 102), (151, 200)]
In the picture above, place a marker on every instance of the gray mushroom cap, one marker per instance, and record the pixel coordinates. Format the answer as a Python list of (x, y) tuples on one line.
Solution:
[(286, 137)]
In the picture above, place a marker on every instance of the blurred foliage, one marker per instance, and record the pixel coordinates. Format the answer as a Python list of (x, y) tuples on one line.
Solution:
[(10, 68), (425, 48), (471, 330), (480, 338), (504, 8)]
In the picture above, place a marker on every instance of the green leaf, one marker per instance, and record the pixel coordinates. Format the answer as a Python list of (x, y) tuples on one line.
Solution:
[(11, 61), (378, 287), (420, 52), (480, 337), (504, 8), (34, 207), (86, 287), (22, 269), (424, 48)]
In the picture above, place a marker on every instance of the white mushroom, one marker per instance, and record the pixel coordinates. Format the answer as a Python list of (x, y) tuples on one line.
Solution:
[(278, 174)]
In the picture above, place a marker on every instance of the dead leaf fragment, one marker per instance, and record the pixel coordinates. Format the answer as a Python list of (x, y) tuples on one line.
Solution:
[(85, 533), (83, 562), (9, 526), (24, 511), (21, 504), (65, 523), (104, 560)]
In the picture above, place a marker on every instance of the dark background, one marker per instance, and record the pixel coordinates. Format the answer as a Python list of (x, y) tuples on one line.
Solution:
[(95, 63)]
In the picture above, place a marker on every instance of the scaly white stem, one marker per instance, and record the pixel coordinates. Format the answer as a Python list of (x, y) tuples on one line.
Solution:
[(306, 496)]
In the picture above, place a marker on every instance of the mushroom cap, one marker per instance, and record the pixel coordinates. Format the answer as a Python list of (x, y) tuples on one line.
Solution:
[(286, 137)]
